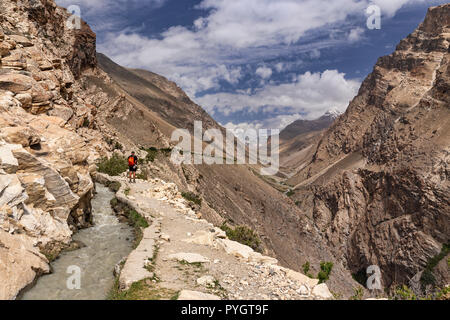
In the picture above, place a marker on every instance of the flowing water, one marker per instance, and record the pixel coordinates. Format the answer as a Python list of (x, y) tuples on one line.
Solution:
[(107, 242)]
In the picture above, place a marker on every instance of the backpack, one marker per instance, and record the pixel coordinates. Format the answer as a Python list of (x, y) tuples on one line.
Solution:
[(131, 161)]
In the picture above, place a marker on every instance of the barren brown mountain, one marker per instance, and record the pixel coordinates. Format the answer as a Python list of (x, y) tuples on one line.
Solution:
[(377, 185)]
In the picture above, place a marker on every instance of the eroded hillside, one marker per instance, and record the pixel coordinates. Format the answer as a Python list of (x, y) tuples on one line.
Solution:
[(377, 185)]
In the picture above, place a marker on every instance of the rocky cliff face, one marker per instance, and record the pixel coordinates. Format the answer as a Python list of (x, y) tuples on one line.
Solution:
[(47, 145), (378, 182)]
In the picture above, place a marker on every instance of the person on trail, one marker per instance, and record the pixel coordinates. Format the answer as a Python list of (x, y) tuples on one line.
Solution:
[(132, 166)]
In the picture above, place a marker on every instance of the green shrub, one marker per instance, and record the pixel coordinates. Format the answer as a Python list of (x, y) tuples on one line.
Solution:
[(113, 166), (192, 197), (404, 293), (118, 146), (306, 266), (325, 270), (290, 193), (244, 235), (151, 154)]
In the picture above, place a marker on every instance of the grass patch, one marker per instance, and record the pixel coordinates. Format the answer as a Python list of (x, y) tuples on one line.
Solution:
[(113, 166), (151, 266), (244, 235), (325, 270), (127, 191), (198, 265), (137, 220), (427, 277), (142, 290), (358, 294), (192, 197)]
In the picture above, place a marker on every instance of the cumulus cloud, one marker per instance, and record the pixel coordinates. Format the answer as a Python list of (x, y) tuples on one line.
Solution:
[(264, 72), (311, 93), (356, 34), (234, 34)]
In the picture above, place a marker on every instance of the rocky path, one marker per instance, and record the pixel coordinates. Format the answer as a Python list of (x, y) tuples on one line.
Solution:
[(188, 255)]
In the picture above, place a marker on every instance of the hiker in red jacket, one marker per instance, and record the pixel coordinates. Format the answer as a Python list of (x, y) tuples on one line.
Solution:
[(132, 166)]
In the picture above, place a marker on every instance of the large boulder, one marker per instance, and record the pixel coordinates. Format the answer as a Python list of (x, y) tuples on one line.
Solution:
[(20, 135), (20, 263)]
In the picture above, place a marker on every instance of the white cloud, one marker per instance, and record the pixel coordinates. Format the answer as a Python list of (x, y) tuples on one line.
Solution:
[(234, 34), (311, 93), (264, 72), (356, 34)]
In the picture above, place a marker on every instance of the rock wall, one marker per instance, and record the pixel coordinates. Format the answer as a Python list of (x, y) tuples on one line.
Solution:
[(48, 144)]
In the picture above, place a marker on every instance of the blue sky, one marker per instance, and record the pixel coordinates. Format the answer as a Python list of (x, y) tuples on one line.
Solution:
[(254, 63)]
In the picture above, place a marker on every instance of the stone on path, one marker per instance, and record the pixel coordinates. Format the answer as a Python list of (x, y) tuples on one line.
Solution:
[(195, 295)]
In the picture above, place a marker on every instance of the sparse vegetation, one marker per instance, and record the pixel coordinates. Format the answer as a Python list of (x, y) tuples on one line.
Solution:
[(306, 266), (194, 264), (113, 166), (127, 191), (151, 154), (427, 277), (137, 220), (134, 218), (118, 146), (244, 235), (142, 290), (290, 193), (325, 270), (358, 294), (192, 197), (404, 293)]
